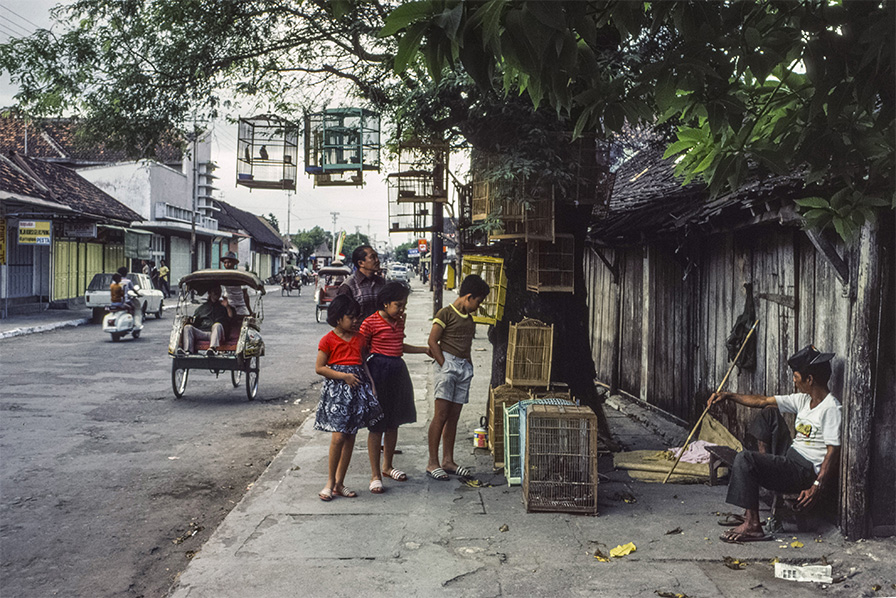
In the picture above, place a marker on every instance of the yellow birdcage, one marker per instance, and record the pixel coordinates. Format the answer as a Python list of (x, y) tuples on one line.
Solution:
[(491, 269), (530, 348)]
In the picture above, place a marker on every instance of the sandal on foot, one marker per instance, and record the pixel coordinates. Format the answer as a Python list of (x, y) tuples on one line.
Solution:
[(733, 537), (461, 471), (376, 486), (325, 495), (345, 492), (396, 474), (731, 520), (438, 474)]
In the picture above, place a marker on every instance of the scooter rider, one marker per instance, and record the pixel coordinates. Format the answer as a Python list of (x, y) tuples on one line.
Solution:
[(127, 286)]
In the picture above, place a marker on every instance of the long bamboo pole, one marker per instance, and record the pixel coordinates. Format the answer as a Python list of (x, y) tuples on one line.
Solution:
[(705, 411)]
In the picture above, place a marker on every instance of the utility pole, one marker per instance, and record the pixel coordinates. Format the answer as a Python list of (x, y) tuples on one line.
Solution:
[(438, 227), (335, 215), (194, 256)]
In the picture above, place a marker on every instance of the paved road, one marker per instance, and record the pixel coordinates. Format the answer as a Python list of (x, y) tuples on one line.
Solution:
[(107, 483)]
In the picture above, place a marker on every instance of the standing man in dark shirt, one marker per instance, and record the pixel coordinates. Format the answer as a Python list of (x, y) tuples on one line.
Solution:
[(209, 321), (364, 285)]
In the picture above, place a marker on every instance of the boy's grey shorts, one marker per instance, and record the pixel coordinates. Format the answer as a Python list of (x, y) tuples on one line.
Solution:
[(452, 379)]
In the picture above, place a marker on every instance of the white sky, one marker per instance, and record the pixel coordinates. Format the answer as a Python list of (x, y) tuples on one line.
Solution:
[(364, 209)]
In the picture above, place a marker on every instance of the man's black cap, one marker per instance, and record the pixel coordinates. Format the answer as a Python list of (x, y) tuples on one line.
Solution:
[(229, 256), (808, 356)]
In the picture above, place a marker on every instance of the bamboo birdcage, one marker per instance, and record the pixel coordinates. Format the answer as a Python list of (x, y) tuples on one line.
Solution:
[(267, 152), (530, 348), (407, 217), (560, 459), (550, 267), (491, 269), (422, 173), (498, 398)]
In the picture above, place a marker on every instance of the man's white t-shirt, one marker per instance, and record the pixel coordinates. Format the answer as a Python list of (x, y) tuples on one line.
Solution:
[(236, 299), (817, 428)]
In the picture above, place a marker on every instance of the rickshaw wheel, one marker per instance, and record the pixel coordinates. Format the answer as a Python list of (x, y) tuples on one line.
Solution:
[(252, 377), (236, 376), (179, 380)]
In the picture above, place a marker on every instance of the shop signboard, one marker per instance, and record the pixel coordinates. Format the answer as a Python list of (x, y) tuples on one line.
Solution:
[(85, 230), (34, 232)]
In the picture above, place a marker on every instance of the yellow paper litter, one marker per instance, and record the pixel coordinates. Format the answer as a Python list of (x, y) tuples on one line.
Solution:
[(796, 544), (623, 549)]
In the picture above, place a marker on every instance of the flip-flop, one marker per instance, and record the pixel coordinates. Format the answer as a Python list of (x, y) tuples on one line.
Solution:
[(461, 471), (325, 495), (438, 474), (732, 537), (376, 486), (345, 492), (396, 474), (731, 520)]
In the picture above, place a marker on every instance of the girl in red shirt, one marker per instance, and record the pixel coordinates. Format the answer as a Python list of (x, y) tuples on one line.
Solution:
[(347, 402), (383, 333)]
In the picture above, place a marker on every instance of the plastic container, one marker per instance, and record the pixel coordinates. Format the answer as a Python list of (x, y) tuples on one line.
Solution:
[(480, 438)]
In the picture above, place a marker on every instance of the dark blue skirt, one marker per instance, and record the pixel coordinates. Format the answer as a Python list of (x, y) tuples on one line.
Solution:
[(394, 391), (346, 409)]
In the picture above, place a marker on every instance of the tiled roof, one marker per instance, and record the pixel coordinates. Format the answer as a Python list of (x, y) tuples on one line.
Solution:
[(649, 200), (230, 215), (43, 180), (57, 140)]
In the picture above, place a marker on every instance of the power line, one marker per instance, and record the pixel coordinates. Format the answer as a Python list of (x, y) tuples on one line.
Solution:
[(9, 32), (27, 33), (20, 16)]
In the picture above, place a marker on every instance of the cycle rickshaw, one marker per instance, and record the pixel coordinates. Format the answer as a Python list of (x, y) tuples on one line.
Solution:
[(329, 278), (241, 351)]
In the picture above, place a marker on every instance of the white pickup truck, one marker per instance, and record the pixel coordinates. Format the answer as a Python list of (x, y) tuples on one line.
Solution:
[(98, 295)]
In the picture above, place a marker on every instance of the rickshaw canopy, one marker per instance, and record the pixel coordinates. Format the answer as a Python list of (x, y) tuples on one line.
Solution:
[(335, 269), (202, 280)]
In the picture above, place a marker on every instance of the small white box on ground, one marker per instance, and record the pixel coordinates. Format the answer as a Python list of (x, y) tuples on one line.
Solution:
[(816, 573)]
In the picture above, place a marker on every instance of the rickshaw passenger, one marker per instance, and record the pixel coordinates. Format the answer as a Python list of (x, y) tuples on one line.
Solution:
[(210, 321), (235, 296)]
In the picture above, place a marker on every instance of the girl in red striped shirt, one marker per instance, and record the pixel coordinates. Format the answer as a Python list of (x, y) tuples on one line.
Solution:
[(383, 333)]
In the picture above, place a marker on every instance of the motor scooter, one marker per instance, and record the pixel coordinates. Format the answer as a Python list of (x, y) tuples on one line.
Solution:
[(121, 321)]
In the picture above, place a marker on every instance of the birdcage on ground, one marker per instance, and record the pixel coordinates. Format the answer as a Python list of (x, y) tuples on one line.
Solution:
[(530, 348), (267, 152), (550, 267), (340, 144), (491, 269), (514, 436), (560, 459), (498, 398)]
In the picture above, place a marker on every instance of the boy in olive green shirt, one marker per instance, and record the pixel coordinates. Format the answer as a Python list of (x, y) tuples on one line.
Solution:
[(450, 341)]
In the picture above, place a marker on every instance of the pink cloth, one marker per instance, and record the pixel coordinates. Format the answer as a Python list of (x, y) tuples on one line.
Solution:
[(695, 453)]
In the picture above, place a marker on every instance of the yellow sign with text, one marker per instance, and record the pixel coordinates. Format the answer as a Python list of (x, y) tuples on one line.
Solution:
[(34, 232)]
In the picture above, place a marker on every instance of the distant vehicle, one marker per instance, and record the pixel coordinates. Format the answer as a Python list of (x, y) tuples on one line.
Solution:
[(98, 296), (398, 272)]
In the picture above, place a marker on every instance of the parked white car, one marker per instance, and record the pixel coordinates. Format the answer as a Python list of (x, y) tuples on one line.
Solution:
[(98, 296), (398, 272)]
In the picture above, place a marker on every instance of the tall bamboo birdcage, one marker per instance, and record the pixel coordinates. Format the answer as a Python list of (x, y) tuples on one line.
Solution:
[(267, 152), (422, 175), (341, 144), (530, 348), (491, 270), (550, 267), (560, 459)]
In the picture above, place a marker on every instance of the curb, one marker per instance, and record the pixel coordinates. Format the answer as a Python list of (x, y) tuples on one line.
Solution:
[(42, 328)]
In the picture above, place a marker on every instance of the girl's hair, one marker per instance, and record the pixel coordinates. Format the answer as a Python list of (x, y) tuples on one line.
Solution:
[(393, 291), (341, 305)]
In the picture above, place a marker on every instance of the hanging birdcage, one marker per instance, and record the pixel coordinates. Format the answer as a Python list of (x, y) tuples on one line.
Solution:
[(422, 173), (340, 144), (550, 267), (409, 217), (267, 153)]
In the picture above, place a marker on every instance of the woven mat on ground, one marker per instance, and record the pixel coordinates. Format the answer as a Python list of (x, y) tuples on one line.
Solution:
[(652, 466)]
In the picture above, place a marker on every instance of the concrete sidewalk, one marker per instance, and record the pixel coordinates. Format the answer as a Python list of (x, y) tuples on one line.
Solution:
[(431, 538), (43, 321)]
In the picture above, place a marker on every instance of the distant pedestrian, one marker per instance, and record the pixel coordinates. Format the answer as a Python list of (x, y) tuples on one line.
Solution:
[(154, 275), (383, 333), (164, 273), (450, 342), (347, 402)]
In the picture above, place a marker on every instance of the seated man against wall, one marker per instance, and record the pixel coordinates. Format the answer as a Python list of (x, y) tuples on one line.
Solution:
[(209, 323), (808, 465)]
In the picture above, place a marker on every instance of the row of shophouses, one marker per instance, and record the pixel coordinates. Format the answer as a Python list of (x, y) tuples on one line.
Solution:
[(69, 211)]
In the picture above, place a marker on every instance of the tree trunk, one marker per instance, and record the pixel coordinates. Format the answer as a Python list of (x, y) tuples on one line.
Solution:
[(572, 362)]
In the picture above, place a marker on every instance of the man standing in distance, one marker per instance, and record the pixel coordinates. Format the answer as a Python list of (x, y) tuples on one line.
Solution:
[(364, 285)]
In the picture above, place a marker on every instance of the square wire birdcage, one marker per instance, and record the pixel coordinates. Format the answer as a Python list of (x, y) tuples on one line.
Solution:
[(560, 459), (409, 217), (550, 266), (530, 348), (514, 439), (491, 269), (498, 398)]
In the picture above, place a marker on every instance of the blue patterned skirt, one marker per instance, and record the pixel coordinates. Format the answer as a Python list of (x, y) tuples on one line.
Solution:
[(346, 409)]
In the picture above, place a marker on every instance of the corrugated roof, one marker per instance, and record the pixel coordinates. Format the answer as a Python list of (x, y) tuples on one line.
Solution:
[(236, 219)]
